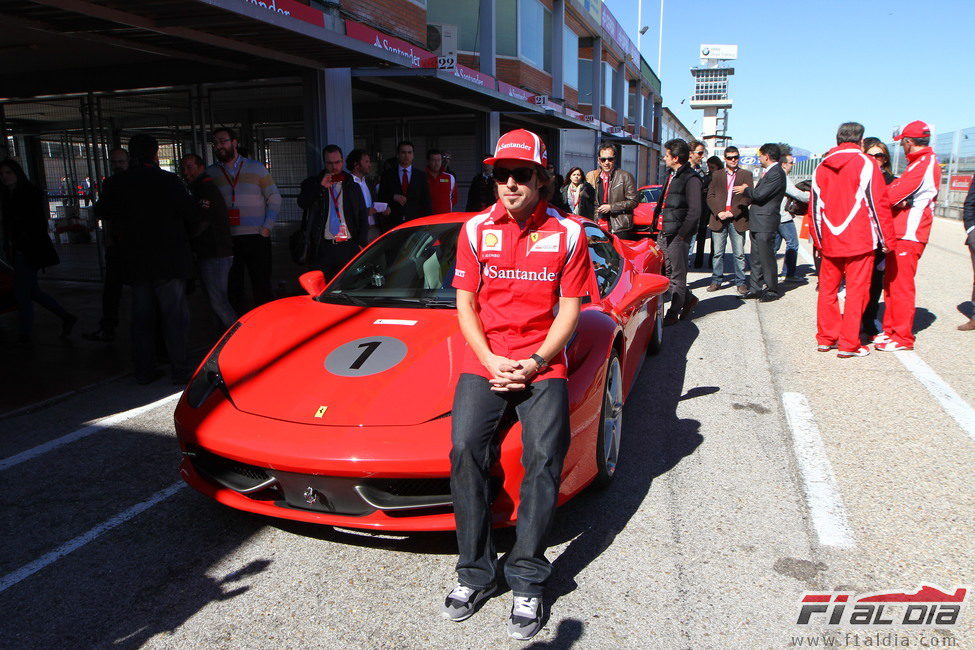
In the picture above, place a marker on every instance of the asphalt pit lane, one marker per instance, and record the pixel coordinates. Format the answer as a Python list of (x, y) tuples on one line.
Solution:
[(799, 569), (751, 406)]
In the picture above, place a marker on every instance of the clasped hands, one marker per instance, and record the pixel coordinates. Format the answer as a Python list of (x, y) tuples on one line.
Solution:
[(509, 375)]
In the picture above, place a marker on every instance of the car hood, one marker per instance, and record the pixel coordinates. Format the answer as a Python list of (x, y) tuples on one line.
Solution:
[(315, 363)]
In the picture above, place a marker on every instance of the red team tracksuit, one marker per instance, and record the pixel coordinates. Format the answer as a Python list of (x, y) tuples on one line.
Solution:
[(443, 191), (912, 226), (851, 218)]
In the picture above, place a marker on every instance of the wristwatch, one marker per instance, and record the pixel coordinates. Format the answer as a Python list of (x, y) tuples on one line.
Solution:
[(542, 363)]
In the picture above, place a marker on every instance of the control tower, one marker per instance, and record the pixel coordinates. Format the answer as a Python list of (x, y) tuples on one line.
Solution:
[(711, 92)]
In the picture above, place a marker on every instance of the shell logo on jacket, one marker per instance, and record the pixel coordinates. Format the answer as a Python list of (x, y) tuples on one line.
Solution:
[(849, 206)]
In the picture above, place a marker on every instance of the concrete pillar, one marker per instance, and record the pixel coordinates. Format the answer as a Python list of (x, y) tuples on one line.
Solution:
[(491, 131), (328, 113), (597, 77), (486, 38), (558, 50)]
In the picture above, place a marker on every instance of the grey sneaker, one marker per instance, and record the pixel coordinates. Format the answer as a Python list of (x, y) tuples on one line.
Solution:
[(461, 602), (526, 618)]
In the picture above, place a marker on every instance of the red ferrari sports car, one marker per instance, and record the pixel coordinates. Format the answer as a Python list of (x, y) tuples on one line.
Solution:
[(334, 407), (643, 213)]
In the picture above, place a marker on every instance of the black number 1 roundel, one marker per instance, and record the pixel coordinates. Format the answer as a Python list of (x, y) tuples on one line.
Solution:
[(363, 357)]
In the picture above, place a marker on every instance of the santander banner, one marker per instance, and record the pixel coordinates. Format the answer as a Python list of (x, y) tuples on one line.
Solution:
[(290, 8), (415, 57)]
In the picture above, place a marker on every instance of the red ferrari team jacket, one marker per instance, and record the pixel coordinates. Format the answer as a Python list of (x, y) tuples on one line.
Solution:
[(920, 183), (849, 207), (519, 274), (443, 191)]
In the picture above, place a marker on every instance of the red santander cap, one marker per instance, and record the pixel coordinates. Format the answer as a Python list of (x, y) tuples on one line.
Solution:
[(519, 144), (916, 129)]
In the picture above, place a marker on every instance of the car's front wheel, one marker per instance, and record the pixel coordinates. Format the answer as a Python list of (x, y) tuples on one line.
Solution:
[(610, 423)]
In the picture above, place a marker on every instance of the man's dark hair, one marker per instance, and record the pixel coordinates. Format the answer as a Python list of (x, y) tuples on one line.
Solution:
[(849, 132), (143, 147), (921, 142), (195, 158), (730, 149), (771, 150), (224, 129), (678, 149), (331, 148), (434, 152), (694, 144), (403, 143), (715, 162), (354, 158), (606, 144)]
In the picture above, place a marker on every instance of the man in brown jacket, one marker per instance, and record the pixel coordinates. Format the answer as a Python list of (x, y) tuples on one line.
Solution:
[(729, 218), (615, 191)]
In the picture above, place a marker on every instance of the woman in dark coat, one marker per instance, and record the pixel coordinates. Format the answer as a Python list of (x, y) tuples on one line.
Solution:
[(876, 149), (28, 247), (578, 196)]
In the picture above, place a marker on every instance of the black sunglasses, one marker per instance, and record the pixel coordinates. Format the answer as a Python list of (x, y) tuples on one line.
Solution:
[(521, 174), (879, 155), (731, 157), (607, 159)]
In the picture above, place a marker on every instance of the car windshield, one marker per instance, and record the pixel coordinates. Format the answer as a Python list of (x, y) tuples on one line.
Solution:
[(650, 195), (409, 267)]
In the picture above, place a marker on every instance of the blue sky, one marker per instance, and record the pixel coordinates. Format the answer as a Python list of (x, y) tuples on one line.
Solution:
[(805, 67)]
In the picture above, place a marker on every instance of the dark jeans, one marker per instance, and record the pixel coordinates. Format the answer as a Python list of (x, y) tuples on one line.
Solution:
[(701, 237), (27, 292), (112, 289), (764, 266), (330, 258), (675, 264), (868, 325), (163, 301), (543, 410), (214, 274), (787, 232), (971, 249), (252, 255)]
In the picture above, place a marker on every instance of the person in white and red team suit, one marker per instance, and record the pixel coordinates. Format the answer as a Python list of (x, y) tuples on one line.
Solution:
[(851, 219), (443, 185), (523, 268), (912, 198)]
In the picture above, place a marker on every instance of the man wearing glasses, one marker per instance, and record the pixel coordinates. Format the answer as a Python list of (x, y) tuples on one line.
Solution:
[(698, 152), (729, 219), (615, 191), (523, 268)]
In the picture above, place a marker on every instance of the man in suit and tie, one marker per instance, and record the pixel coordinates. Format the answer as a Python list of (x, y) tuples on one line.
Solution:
[(405, 189), (763, 221), (728, 220)]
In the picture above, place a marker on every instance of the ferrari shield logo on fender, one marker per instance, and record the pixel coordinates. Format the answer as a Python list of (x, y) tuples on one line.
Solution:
[(321, 411)]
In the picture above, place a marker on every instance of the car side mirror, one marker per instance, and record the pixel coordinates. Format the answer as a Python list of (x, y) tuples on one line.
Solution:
[(645, 285), (312, 282)]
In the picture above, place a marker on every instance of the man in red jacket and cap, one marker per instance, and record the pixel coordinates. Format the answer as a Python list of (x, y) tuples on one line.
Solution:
[(850, 217), (912, 196)]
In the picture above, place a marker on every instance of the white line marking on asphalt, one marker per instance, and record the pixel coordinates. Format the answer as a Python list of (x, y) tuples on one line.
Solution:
[(47, 559), (822, 492), (96, 426), (959, 409)]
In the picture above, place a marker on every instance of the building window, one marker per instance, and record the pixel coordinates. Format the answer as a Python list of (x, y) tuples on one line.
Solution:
[(506, 27), (570, 57), (531, 24), (608, 78), (463, 14), (585, 80)]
